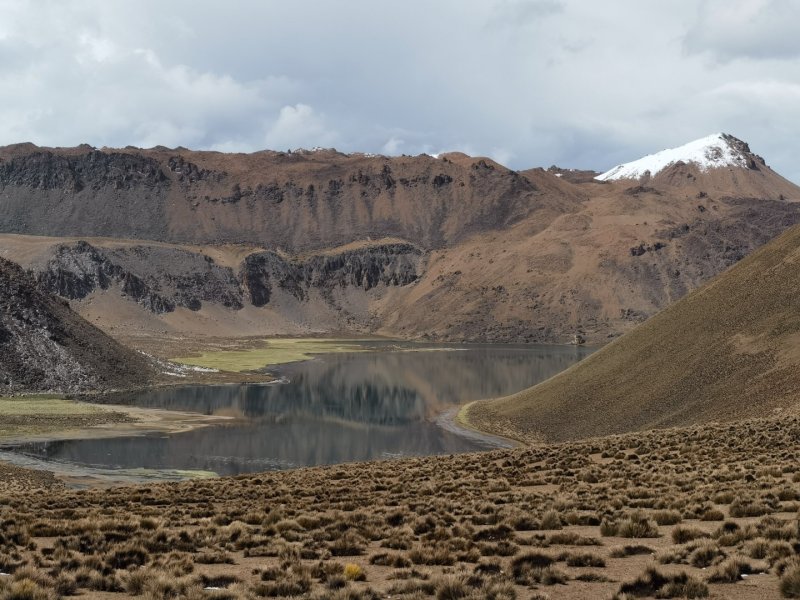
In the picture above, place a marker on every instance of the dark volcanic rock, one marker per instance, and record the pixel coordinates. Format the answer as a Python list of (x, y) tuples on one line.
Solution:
[(45, 346), (364, 268), (157, 278), (76, 270), (95, 170)]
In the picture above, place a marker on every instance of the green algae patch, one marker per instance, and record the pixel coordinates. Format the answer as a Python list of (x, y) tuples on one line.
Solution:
[(270, 352)]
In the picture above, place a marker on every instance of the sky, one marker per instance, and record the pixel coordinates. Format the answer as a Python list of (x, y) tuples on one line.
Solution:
[(575, 83)]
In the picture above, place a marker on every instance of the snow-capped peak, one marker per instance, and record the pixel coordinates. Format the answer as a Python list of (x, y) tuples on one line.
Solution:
[(713, 151)]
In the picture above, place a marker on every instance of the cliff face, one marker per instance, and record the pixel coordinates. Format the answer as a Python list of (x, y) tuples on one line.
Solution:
[(97, 193), (44, 346), (291, 201), (159, 279), (365, 268), (162, 279), (447, 248)]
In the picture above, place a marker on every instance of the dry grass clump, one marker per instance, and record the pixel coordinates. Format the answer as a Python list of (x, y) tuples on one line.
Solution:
[(655, 583), (730, 571), (790, 581), (682, 534), (477, 525), (536, 567), (667, 517), (637, 525), (584, 559)]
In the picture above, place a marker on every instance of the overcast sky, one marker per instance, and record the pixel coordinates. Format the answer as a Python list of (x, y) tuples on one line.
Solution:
[(577, 83)]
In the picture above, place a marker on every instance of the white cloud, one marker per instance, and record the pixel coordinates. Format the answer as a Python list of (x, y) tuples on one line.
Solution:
[(299, 126), (528, 83), (392, 146)]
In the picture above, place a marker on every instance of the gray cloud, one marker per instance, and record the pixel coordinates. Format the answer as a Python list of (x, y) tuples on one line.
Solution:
[(574, 83), (746, 29)]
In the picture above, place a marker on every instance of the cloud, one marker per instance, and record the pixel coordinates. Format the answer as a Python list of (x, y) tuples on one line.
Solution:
[(299, 126), (520, 13), (570, 82), (746, 29)]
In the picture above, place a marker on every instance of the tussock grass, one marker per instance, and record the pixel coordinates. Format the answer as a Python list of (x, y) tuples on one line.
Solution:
[(430, 526)]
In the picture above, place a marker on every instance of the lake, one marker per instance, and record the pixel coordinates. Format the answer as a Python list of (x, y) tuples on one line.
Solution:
[(387, 401)]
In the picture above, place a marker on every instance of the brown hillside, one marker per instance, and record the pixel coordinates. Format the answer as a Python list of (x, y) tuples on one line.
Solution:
[(728, 350), (453, 248)]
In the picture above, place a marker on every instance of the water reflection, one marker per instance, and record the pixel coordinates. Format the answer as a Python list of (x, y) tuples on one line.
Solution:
[(338, 408)]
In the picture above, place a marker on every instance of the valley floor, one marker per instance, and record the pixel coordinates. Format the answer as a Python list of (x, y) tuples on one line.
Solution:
[(707, 510)]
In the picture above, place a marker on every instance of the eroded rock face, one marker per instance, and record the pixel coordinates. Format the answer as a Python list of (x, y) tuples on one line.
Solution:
[(159, 279), (44, 346), (365, 268), (94, 170)]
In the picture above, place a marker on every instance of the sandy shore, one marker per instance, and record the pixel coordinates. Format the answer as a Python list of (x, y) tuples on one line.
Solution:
[(140, 421)]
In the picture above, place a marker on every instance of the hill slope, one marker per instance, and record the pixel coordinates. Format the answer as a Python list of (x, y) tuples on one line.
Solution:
[(728, 350), (448, 248), (45, 346)]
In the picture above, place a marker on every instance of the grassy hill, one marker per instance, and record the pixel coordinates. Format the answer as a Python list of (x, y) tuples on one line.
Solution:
[(730, 349)]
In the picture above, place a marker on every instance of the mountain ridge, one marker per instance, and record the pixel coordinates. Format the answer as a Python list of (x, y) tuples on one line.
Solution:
[(537, 255)]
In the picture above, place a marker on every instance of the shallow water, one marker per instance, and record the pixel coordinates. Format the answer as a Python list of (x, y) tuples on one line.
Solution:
[(336, 408)]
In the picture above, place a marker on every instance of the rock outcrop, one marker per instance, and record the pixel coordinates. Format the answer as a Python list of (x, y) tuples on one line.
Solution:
[(363, 269), (45, 346)]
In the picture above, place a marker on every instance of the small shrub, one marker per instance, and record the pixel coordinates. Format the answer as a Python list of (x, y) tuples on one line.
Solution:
[(712, 514), (586, 559), (348, 544), (384, 559), (353, 572), (638, 526), (667, 517), (633, 550), (790, 582), (550, 520), (450, 588), (536, 567), (608, 528), (654, 583), (730, 571), (740, 509), (683, 534), (705, 555)]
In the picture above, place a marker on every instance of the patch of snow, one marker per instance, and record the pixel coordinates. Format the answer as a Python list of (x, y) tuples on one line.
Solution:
[(559, 174), (710, 152)]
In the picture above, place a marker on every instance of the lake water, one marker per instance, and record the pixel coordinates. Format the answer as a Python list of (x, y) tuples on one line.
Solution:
[(386, 402)]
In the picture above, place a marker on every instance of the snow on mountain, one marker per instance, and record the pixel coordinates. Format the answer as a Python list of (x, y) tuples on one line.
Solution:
[(713, 151)]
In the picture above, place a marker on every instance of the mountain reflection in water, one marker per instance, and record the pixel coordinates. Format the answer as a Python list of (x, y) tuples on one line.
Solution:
[(337, 408)]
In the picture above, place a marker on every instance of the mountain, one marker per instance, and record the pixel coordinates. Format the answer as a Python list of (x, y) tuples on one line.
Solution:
[(449, 248), (728, 350), (45, 346), (715, 151)]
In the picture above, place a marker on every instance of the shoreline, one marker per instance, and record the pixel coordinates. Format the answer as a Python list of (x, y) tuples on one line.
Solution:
[(462, 422), (144, 421), (461, 425)]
